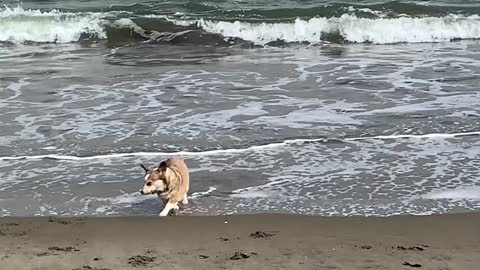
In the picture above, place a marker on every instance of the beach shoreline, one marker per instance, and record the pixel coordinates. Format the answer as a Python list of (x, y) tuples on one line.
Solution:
[(258, 241)]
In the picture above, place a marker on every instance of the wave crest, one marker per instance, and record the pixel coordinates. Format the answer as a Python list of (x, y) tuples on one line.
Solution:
[(350, 28), (18, 25)]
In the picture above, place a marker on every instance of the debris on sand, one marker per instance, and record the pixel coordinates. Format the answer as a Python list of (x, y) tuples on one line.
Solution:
[(412, 248), (64, 249), (416, 265), (261, 234), (88, 267), (140, 260), (239, 255), (64, 222)]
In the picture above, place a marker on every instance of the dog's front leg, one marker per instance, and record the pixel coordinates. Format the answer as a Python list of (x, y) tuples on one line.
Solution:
[(169, 206)]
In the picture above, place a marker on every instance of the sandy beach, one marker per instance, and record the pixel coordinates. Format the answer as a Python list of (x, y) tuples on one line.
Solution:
[(269, 241)]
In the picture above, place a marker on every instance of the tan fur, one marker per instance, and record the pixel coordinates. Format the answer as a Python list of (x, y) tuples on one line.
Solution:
[(171, 181)]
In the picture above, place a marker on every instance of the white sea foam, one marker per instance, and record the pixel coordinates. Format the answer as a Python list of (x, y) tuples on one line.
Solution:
[(18, 25), (21, 25), (366, 10), (127, 23), (351, 28), (420, 136), (202, 193), (239, 150), (460, 193), (135, 197), (249, 194)]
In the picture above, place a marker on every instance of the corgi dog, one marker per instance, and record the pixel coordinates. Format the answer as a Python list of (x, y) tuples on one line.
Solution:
[(170, 181)]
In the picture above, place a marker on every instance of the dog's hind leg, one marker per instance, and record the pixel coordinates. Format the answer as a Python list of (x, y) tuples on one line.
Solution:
[(169, 206), (185, 199)]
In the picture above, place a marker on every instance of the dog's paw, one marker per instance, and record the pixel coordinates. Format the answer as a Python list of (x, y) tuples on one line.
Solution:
[(172, 212), (165, 212), (168, 208)]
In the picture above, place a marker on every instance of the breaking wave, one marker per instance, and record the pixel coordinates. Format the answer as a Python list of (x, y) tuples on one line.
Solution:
[(19, 26), (350, 28)]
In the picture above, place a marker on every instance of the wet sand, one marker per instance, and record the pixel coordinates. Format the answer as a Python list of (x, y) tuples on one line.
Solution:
[(268, 241)]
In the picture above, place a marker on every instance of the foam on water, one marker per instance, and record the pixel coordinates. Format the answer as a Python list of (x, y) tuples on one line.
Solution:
[(18, 25), (127, 23), (357, 177), (351, 28), (460, 193), (252, 194), (133, 198), (239, 150), (203, 193)]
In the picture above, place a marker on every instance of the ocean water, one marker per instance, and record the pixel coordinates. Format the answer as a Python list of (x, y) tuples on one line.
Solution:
[(310, 107)]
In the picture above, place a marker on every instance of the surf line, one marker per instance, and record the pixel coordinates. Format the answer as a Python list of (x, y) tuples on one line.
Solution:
[(239, 150)]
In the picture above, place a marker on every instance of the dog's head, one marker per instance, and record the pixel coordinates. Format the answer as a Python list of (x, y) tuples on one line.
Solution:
[(155, 181)]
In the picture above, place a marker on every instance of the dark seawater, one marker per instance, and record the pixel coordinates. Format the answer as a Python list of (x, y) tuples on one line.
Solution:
[(311, 107)]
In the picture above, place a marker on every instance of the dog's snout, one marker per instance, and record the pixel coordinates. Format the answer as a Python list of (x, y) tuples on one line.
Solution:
[(141, 191)]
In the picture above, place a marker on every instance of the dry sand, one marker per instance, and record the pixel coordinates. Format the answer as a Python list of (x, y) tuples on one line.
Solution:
[(438, 242)]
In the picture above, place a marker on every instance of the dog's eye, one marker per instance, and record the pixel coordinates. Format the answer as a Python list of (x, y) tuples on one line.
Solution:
[(149, 184)]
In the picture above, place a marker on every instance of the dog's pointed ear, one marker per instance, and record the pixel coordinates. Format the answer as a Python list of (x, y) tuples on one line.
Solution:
[(163, 166), (143, 166)]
